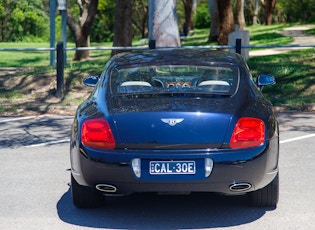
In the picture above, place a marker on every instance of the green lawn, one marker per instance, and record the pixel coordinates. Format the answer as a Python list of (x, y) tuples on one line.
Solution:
[(267, 35), (260, 35), (294, 73)]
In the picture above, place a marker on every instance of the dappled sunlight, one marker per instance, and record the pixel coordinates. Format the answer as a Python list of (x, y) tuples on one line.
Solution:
[(295, 76)]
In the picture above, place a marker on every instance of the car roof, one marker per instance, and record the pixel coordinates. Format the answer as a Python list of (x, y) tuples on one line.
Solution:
[(177, 55)]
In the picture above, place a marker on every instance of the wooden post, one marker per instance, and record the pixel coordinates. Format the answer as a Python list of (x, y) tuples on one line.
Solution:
[(152, 44), (238, 47)]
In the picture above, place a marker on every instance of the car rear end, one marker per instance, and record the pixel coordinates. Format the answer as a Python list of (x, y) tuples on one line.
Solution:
[(179, 132)]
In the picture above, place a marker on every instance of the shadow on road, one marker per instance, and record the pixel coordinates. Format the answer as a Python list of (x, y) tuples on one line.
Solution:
[(150, 211), (36, 130), (303, 122)]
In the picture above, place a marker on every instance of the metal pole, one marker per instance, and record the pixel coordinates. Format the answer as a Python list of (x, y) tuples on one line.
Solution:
[(60, 69), (64, 32), (152, 42), (52, 10), (62, 7)]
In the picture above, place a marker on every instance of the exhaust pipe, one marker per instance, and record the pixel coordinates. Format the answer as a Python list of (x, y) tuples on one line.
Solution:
[(106, 188), (240, 187)]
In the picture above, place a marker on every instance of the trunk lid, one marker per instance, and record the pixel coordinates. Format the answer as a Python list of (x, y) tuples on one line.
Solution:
[(140, 128)]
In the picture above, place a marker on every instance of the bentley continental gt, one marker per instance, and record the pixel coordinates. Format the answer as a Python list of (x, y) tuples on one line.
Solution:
[(173, 121)]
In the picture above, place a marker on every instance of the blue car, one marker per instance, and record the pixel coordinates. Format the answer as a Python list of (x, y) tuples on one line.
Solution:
[(175, 121)]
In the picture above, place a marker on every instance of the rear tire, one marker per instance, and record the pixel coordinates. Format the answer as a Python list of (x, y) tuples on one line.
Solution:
[(267, 196), (83, 197)]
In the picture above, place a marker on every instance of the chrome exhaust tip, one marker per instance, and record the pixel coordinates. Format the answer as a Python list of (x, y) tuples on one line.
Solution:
[(240, 187), (106, 188)]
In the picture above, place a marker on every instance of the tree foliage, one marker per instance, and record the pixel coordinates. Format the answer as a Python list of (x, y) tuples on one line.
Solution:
[(202, 17), (22, 20), (103, 26), (28, 20), (296, 11)]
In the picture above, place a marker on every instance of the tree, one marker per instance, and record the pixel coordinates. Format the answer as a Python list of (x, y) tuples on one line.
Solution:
[(226, 20), (123, 24), (22, 21), (215, 20), (202, 16), (81, 30), (140, 17), (189, 7), (269, 5), (256, 11), (296, 11), (163, 26), (240, 14), (103, 24)]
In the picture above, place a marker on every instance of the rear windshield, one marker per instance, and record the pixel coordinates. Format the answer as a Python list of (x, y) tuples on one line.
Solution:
[(175, 79)]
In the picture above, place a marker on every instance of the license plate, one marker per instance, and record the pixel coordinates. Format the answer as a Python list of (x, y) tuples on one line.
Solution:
[(172, 167)]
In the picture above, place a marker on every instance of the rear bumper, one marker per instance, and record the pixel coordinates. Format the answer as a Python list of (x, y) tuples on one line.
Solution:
[(256, 166)]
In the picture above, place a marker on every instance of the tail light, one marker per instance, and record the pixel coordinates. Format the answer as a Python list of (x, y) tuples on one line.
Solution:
[(96, 133), (248, 132)]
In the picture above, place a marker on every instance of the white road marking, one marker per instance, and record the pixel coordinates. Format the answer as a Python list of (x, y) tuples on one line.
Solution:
[(17, 119), (68, 140), (48, 143), (297, 138)]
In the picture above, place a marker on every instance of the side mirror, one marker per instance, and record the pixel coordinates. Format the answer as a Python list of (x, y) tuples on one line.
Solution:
[(91, 81), (264, 80)]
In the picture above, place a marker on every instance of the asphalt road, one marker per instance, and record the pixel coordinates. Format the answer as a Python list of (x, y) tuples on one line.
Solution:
[(35, 176)]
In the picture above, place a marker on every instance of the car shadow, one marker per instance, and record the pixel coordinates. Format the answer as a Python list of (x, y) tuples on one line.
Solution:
[(151, 211)]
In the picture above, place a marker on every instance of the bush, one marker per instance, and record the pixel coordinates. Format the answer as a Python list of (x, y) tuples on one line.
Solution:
[(296, 10), (22, 18), (202, 17)]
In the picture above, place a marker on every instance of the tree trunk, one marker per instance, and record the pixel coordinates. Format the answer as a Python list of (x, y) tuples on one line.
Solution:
[(140, 17), (163, 27), (215, 21), (226, 21), (81, 32), (240, 14), (269, 7), (189, 9), (123, 25), (256, 10)]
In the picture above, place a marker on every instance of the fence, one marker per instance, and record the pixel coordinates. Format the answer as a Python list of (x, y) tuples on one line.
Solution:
[(61, 50)]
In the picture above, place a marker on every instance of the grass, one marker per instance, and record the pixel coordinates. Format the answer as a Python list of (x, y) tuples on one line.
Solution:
[(311, 31), (11, 95), (260, 35), (267, 35), (294, 71), (295, 76)]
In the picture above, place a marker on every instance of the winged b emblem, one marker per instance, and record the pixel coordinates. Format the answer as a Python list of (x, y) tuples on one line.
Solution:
[(172, 121)]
